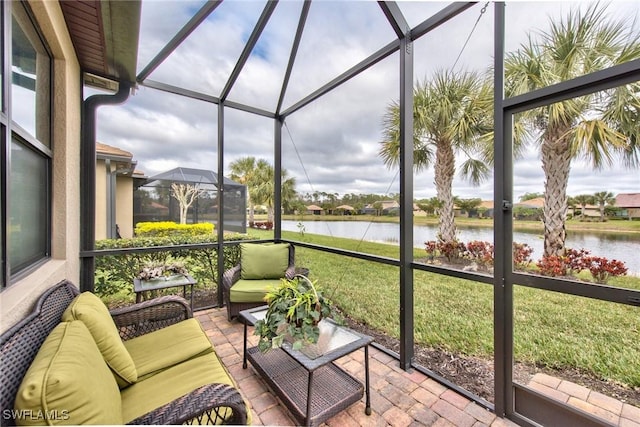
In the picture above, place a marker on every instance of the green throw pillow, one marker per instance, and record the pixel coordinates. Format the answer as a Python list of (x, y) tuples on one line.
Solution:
[(68, 382), (88, 308), (263, 261)]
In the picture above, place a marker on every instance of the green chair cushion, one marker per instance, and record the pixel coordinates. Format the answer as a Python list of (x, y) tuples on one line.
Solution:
[(172, 383), (88, 308), (69, 382), (251, 290), (171, 345), (263, 261)]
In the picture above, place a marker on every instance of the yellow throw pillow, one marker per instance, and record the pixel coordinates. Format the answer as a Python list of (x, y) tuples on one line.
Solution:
[(88, 308), (68, 382), (263, 261)]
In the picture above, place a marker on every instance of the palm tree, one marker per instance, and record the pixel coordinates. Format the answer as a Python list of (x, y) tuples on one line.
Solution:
[(452, 113), (595, 127), (583, 200), (602, 198), (252, 173), (264, 189), (243, 171)]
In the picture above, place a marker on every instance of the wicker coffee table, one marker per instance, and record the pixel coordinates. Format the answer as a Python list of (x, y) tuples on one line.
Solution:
[(313, 389)]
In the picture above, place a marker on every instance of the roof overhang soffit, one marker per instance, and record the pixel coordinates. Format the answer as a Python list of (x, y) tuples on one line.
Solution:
[(105, 37)]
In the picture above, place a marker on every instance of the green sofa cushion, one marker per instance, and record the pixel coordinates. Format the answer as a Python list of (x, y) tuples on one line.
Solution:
[(88, 308), (69, 382), (251, 290), (172, 383), (263, 261), (171, 345)]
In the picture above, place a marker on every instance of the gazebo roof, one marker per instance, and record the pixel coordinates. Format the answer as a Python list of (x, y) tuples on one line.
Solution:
[(192, 176)]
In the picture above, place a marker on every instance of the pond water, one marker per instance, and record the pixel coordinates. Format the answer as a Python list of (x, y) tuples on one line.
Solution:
[(620, 246)]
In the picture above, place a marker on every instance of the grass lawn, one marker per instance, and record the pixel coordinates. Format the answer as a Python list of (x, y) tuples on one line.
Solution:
[(550, 329)]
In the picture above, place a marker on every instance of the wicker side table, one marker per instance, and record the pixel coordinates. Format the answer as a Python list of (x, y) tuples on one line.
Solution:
[(313, 389), (141, 286)]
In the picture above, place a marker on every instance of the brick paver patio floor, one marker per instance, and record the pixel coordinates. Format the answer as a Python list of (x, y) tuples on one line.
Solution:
[(398, 398)]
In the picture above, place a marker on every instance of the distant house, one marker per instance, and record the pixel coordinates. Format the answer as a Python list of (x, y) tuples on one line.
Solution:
[(484, 210), (115, 173), (536, 203), (387, 207), (628, 205), (314, 210)]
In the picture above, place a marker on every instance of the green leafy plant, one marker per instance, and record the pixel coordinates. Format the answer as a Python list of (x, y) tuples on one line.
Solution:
[(296, 307)]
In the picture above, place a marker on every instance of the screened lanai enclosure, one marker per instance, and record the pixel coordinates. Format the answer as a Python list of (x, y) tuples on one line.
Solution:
[(153, 199), (419, 102)]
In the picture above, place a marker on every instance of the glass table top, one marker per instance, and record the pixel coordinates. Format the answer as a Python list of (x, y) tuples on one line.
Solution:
[(333, 338)]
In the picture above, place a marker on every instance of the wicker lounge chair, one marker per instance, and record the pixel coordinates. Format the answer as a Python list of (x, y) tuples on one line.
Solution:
[(233, 275), (209, 404)]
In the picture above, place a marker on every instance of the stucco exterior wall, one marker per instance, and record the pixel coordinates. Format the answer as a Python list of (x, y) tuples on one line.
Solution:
[(18, 299), (123, 201), (124, 205), (101, 200)]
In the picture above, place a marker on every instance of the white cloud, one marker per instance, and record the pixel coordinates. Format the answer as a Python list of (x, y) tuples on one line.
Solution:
[(338, 136)]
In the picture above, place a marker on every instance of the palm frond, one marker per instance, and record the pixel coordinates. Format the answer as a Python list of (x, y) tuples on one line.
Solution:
[(475, 171)]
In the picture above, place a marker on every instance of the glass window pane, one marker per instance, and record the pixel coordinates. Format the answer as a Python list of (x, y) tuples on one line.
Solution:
[(28, 226), (30, 74)]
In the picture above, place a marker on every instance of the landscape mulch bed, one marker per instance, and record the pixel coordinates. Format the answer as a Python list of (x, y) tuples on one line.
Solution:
[(476, 375)]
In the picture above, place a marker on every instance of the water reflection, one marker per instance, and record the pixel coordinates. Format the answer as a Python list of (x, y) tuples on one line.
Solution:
[(620, 246)]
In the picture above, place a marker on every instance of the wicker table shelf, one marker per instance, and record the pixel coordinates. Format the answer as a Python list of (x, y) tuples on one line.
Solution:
[(313, 389), (141, 286)]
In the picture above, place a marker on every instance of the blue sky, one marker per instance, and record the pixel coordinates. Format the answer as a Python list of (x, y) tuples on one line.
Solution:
[(337, 137)]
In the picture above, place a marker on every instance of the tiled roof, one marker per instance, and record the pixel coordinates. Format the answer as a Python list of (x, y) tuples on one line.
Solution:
[(628, 200), (108, 150), (538, 202)]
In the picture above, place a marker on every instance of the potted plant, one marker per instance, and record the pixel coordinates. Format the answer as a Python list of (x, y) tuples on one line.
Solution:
[(295, 308)]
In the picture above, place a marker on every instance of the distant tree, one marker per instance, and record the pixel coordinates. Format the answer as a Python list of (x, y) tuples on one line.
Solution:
[(583, 200), (243, 171), (604, 198), (185, 194), (264, 190), (378, 207), (468, 205), (611, 211), (430, 206)]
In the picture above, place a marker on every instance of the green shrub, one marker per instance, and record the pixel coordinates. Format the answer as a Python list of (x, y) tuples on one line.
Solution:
[(170, 228), (115, 273)]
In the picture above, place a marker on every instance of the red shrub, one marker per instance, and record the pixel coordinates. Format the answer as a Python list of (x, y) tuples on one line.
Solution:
[(480, 252), (576, 260), (430, 248), (521, 255), (452, 249), (602, 268), (552, 266)]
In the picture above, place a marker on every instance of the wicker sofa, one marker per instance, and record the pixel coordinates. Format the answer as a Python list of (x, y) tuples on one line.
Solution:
[(261, 266), (59, 366)]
